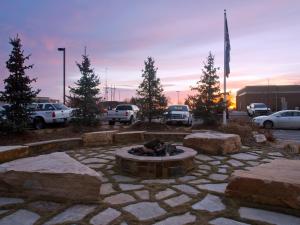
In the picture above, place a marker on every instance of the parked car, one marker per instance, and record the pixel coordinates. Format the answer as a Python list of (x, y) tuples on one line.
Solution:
[(288, 119), (125, 113), (255, 109), (2, 113), (179, 114), (49, 113)]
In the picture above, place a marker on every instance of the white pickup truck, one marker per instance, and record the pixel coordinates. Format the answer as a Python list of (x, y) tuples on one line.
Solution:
[(48, 113), (257, 109), (178, 114), (125, 113)]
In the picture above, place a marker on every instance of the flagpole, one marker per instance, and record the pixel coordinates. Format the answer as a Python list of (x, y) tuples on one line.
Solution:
[(224, 112)]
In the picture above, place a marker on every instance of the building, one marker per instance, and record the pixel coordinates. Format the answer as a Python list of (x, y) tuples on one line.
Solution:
[(276, 97)]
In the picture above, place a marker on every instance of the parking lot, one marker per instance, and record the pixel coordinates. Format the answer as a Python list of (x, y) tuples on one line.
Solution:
[(293, 135)]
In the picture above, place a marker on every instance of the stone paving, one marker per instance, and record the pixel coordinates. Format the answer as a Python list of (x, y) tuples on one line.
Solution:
[(197, 198)]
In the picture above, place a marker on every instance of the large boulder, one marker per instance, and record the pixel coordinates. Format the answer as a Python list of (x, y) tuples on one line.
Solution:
[(55, 175), (276, 183), (212, 142), (98, 138)]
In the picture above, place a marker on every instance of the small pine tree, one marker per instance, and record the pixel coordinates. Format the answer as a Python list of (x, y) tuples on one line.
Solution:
[(18, 91), (151, 99), (85, 95), (207, 101)]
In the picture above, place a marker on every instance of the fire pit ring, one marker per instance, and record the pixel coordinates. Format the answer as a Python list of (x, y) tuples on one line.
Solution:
[(155, 166)]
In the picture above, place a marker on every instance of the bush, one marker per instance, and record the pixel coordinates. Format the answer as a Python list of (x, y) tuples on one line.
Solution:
[(243, 129)]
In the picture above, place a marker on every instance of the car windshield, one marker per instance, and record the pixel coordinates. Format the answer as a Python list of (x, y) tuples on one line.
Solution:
[(178, 108), (60, 106), (260, 105)]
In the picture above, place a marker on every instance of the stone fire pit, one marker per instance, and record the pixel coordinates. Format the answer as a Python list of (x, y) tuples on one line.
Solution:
[(178, 162)]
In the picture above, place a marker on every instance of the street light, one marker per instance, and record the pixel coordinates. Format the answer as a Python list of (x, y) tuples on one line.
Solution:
[(178, 97), (64, 71)]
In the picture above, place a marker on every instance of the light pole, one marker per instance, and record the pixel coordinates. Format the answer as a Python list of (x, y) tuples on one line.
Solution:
[(64, 71), (178, 97)]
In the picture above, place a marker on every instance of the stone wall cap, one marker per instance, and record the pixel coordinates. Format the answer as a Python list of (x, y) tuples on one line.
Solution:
[(132, 132), (101, 132), (53, 141), (11, 147), (210, 135)]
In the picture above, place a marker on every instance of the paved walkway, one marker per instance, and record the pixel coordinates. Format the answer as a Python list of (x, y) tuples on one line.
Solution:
[(197, 198)]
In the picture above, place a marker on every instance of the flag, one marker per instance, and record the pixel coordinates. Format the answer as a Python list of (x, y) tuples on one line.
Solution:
[(226, 47)]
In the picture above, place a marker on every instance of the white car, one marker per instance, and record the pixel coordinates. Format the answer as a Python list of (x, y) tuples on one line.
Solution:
[(2, 113), (178, 114), (288, 119)]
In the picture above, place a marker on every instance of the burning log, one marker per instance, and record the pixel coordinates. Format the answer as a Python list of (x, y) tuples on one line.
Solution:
[(155, 148)]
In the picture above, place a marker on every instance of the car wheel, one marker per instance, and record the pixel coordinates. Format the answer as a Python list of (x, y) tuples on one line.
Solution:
[(131, 120), (39, 123), (268, 124)]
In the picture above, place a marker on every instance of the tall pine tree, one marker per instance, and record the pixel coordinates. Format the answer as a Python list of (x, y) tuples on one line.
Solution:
[(151, 99), (85, 95), (18, 91), (207, 100)]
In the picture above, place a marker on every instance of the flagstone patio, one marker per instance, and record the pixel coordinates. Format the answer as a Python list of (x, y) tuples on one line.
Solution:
[(197, 198)]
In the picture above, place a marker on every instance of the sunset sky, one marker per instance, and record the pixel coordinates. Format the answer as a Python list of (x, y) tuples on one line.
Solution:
[(120, 34)]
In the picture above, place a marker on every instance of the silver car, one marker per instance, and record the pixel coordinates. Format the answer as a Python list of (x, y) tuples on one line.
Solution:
[(287, 119)]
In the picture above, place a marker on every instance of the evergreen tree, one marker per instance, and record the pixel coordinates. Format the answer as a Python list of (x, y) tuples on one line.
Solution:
[(85, 95), (207, 101), (151, 99), (18, 91)]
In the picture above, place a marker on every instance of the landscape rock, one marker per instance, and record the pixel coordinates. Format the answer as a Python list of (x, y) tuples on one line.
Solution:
[(54, 175), (260, 138), (98, 138), (211, 142), (281, 176)]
